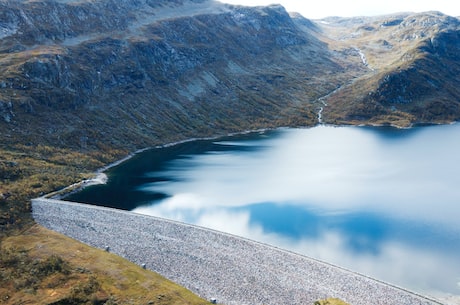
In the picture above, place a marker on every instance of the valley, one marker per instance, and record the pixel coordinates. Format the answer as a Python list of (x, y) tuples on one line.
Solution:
[(86, 83)]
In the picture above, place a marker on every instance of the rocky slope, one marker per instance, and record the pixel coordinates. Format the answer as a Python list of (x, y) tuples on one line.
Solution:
[(414, 68), (133, 73)]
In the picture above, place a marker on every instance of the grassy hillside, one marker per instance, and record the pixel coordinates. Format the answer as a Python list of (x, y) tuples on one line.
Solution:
[(42, 267), (142, 83), (28, 171)]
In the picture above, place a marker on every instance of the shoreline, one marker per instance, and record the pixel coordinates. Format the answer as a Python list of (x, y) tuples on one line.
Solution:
[(101, 178)]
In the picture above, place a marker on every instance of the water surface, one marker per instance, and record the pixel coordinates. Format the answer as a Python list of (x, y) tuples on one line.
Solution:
[(380, 201)]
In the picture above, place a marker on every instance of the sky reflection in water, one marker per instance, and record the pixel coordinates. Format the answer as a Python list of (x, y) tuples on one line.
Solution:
[(383, 202), (380, 201)]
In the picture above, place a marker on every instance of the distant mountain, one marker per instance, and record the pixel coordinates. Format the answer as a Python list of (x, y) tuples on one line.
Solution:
[(133, 73), (414, 69)]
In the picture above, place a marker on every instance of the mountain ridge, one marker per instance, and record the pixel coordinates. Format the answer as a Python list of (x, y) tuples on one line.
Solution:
[(404, 68), (48, 62)]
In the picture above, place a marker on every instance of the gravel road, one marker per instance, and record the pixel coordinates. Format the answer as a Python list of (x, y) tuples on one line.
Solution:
[(213, 264)]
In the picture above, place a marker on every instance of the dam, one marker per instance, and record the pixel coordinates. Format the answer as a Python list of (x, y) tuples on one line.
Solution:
[(215, 265)]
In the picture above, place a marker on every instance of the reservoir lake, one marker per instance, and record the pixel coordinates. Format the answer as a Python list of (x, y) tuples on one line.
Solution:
[(380, 201)]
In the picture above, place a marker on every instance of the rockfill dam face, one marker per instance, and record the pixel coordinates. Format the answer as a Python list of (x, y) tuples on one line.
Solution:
[(217, 266)]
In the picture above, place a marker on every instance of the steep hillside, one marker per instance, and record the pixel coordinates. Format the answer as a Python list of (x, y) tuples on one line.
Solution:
[(98, 72), (414, 68), (101, 75)]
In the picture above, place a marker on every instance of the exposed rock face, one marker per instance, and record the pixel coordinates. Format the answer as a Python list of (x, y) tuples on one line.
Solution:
[(134, 73)]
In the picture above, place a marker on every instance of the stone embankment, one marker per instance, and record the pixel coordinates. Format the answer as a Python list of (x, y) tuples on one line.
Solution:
[(213, 264)]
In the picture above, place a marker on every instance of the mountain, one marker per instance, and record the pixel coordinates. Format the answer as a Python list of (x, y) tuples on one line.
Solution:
[(129, 74), (414, 68), (136, 73)]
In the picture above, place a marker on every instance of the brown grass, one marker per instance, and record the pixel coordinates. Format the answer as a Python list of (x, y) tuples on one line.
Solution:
[(86, 275), (330, 302)]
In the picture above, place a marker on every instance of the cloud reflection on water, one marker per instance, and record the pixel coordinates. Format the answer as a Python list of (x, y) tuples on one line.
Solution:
[(394, 261), (333, 168), (405, 183)]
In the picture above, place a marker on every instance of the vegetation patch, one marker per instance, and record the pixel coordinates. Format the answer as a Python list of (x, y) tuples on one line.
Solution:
[(38, 274), (331, 301), (30, 171)]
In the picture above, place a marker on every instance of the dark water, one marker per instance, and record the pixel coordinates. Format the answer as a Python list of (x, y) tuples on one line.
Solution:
[(381, 201)]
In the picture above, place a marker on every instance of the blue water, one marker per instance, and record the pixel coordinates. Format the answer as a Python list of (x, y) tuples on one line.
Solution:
[(379, 201)]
